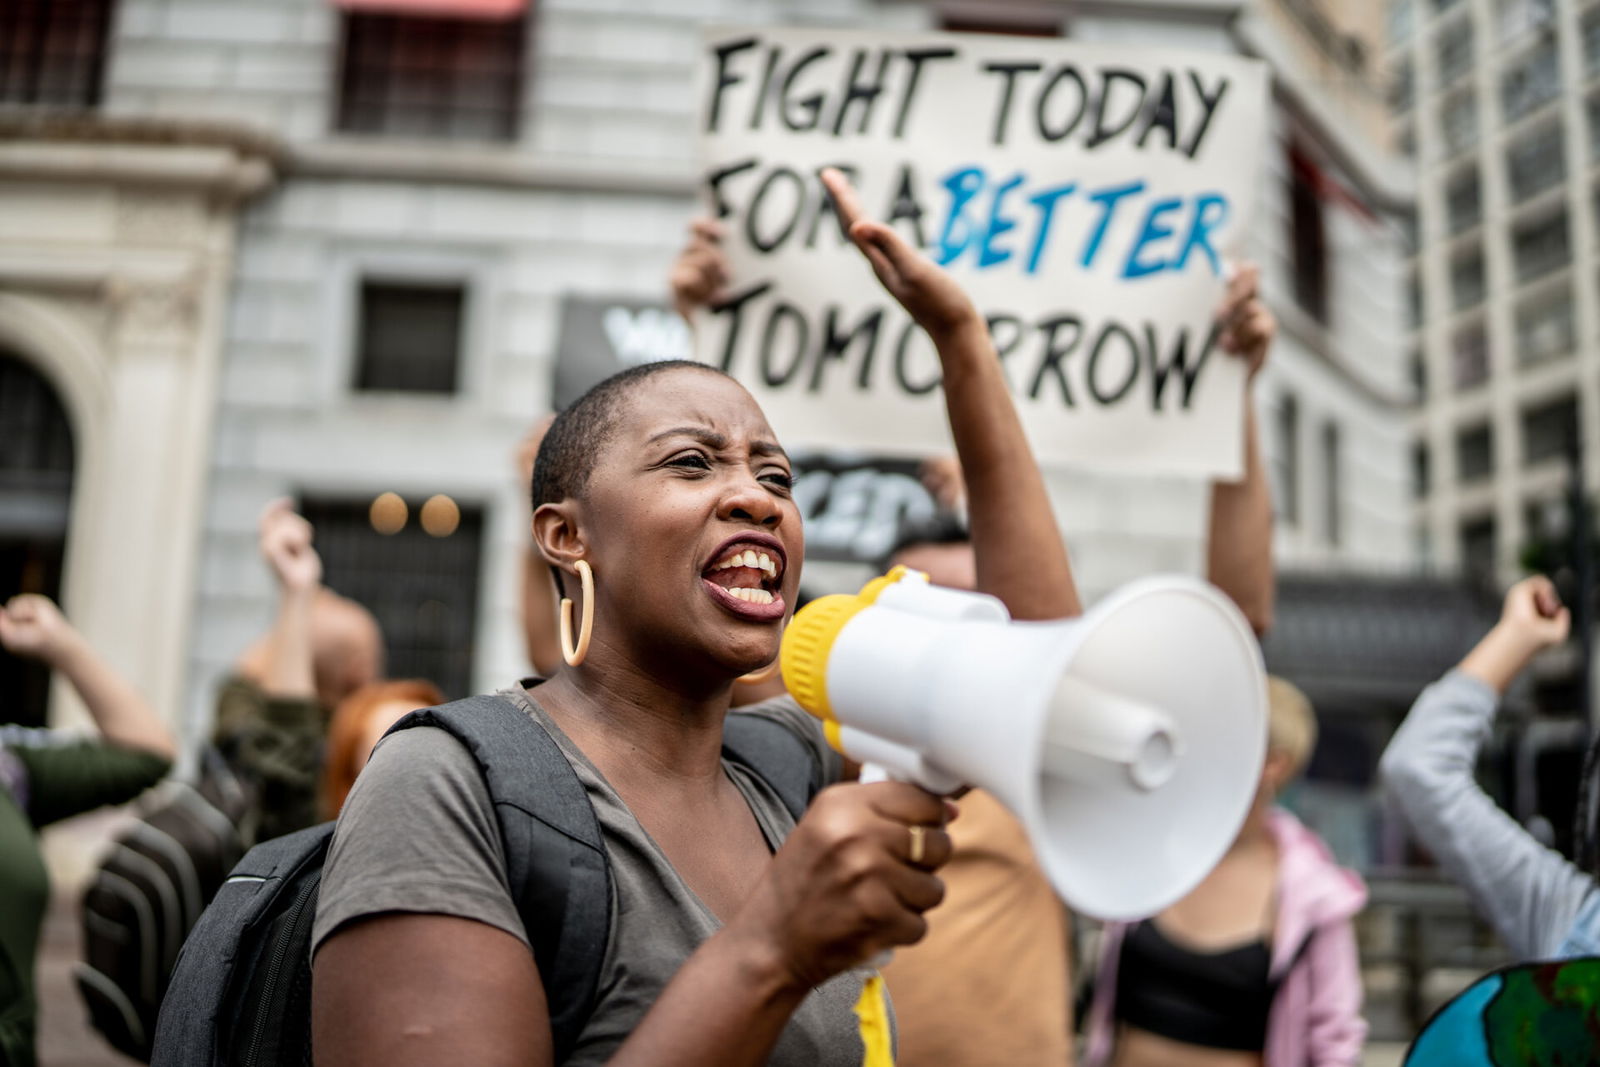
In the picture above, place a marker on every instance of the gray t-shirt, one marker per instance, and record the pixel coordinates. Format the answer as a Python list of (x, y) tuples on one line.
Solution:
[(419, 834)]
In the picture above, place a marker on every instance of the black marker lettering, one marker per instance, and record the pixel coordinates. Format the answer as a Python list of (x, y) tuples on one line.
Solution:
[(1008, 72), (916, 57), (866, 92), (1104, 131), (724, 52)]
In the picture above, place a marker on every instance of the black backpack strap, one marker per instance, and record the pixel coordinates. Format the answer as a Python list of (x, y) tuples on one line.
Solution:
[(773, 751), (555, 857)]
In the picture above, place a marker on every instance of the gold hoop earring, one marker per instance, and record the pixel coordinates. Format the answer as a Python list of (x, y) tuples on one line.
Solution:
[(575, 656)]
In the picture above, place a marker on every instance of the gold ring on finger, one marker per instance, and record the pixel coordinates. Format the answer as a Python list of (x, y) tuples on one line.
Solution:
[(918, 844)]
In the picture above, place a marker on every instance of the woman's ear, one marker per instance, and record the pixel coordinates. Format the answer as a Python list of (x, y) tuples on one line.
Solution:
[(556, 533)]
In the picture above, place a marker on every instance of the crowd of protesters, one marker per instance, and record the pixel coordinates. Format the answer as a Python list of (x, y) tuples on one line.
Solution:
[(740, 933)]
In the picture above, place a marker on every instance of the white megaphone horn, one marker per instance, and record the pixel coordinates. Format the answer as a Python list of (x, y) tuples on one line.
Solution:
[(1128, 742)]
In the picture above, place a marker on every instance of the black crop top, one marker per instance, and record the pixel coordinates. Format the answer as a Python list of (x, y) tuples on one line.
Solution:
[(1212, 999)]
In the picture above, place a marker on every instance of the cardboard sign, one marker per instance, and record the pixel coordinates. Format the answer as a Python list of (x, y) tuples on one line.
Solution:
[(1088, 197)]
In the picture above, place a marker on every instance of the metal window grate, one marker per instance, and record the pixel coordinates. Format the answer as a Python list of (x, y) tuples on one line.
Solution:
[(36, 466), (423, 589), (410, 338), (53, 51), (455, 79)]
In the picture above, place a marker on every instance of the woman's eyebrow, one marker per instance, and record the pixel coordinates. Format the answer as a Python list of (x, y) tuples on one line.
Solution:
[(768, 448), (709, 438)]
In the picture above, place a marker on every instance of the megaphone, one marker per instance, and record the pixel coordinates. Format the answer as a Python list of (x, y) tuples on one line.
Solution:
[(1128, 742)]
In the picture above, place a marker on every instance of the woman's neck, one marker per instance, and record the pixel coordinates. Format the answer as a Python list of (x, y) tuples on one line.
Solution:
[(628, 720)]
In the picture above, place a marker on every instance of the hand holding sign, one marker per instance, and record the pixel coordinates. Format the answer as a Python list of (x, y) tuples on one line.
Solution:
[(928, 293), (1246, 326)]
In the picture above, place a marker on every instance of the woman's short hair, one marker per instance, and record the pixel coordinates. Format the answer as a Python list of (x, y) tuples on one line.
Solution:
[(578, 434), (1291, 723), (349, 725)]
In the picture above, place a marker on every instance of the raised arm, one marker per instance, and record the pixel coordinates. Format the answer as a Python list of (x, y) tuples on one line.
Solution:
[(287, 669), (32, 626), (1020, 553), (1530, 893), (1239, 541)]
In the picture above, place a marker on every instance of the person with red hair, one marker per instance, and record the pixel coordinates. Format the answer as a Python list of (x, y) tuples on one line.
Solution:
[(361, 719)]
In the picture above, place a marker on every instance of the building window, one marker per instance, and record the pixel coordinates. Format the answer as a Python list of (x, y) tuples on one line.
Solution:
[(1309, 236), (1546, 327), (1467, 282), (1441, 6), (1518, 17), (1402, 86), (419, 578), (410, 337), (53, 51), (1332, 485), (1590, 28), (1541, 246), (1458, 122), (1548, 430), (1478, 548), (1536, 162), (1405, 140), (1414, 307), (1474, 454), (1591, 112), (1024, 24), (1402, 17), (1469, 356), (1463, 201), (1421, 474), (1419, 375), (1454, 51), (457, 79), (1287, 466), (1531, 82)]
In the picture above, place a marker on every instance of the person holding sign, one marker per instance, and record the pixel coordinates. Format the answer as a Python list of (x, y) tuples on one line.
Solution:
[(999, 946), (739, 934)]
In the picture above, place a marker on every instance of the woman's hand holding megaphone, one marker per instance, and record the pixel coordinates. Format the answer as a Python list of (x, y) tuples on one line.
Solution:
[(843, 888)]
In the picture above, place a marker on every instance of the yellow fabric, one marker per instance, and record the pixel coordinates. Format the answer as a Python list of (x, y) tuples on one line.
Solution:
[(991, 983), (874, 1015)]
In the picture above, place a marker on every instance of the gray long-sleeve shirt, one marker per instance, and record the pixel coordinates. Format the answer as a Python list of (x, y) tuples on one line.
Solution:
[(1530, 893)]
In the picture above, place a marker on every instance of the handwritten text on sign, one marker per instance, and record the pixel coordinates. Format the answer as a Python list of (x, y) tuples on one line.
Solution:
[(1089, 198)]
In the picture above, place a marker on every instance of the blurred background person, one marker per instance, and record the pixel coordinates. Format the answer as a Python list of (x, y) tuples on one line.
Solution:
[(1541, 904), (1258, 964), (361, 719), (46, 776), (272, 716)]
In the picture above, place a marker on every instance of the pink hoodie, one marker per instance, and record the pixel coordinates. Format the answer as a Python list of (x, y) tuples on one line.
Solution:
[(1316, 1016)]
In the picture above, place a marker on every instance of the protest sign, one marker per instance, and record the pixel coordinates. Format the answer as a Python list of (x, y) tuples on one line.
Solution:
[(600, 336), (1088, 197)]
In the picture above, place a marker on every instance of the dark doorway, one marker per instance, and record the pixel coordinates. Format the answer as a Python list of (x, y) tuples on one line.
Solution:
[(36, 463), (419, 577)]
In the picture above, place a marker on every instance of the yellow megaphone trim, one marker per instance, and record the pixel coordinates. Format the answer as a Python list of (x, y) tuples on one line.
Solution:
[(808, 642)]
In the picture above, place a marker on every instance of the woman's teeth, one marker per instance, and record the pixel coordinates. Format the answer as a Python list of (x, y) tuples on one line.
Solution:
[(749, 558), (754, 596)]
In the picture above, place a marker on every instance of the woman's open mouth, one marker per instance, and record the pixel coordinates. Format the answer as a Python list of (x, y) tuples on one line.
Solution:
[(746, 578)]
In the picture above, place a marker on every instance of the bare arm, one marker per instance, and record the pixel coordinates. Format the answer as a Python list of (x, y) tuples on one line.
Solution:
[(1239, 540), (1021, 558), (287, 670), (33, 626)]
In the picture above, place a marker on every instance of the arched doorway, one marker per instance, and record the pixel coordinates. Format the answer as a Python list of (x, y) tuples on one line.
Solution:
[(36, 464)]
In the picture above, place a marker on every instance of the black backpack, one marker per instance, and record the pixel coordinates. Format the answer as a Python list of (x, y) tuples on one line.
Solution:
[(241, 994), (150, 890)]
